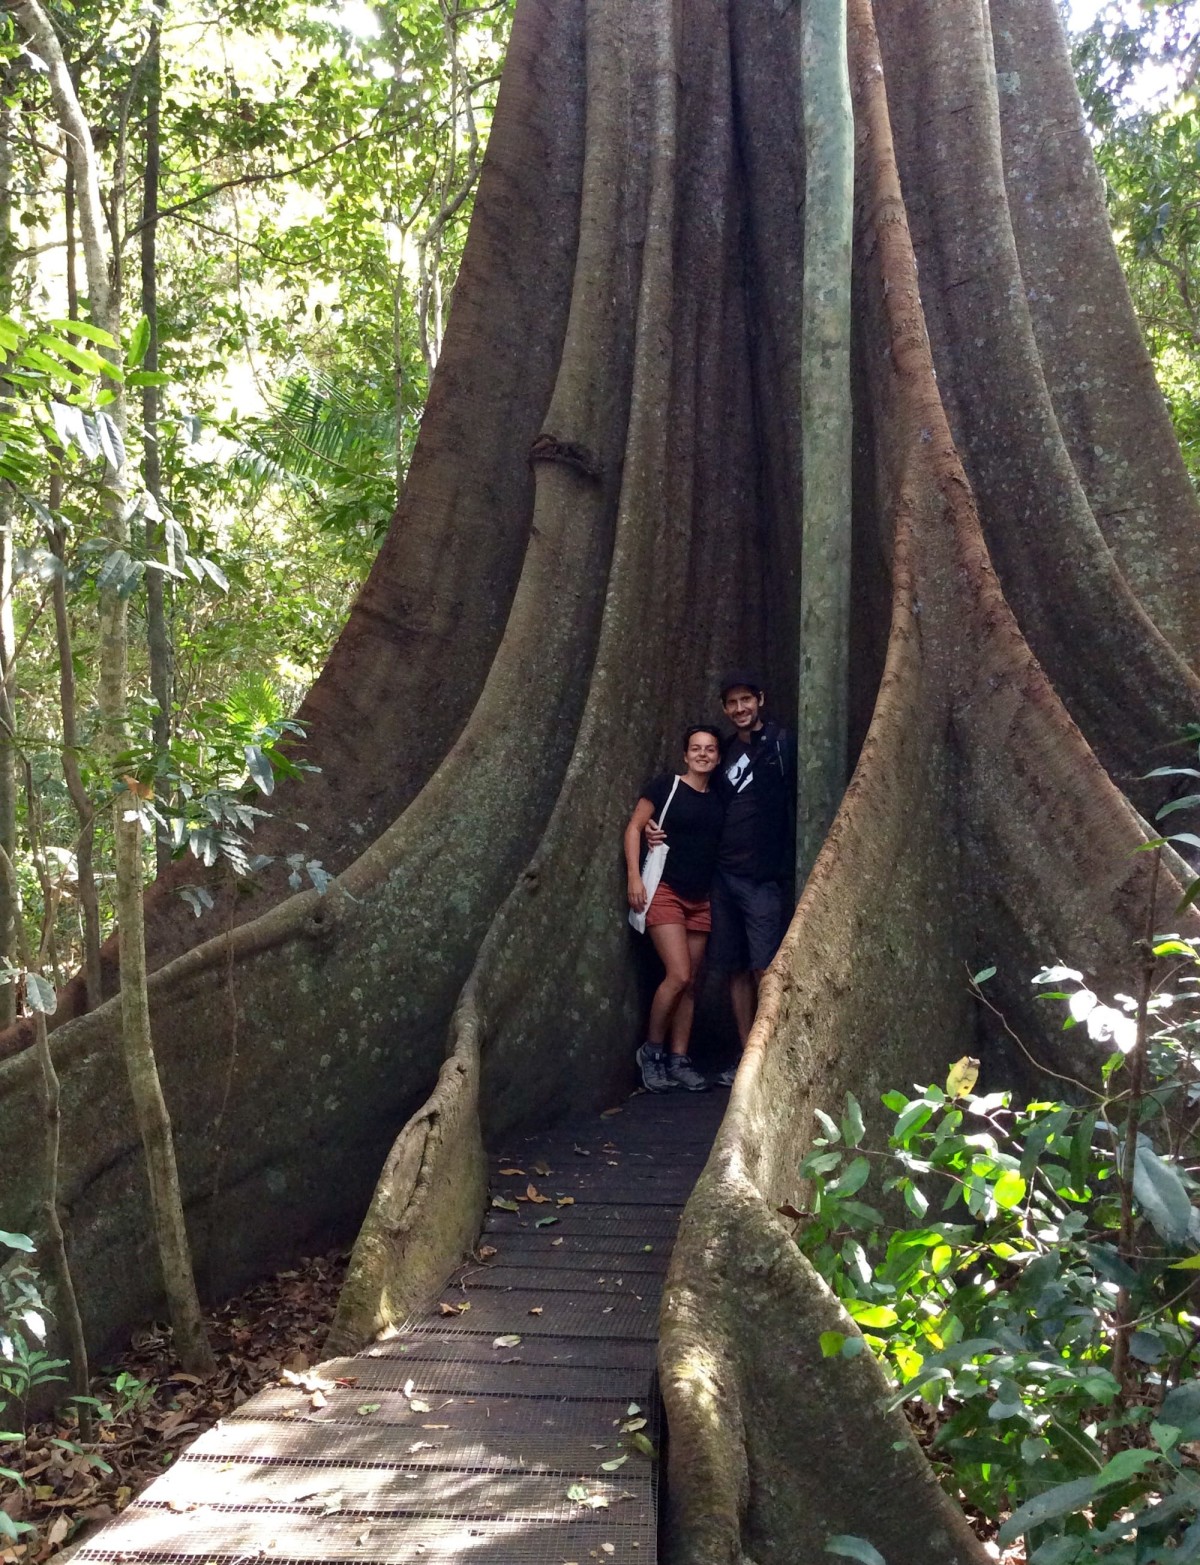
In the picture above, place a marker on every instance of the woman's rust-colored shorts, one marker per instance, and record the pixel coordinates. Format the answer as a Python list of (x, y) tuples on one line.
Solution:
[(668, 907)]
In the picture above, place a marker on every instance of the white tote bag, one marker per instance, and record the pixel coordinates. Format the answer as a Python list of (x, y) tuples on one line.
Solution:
[(656, 859)]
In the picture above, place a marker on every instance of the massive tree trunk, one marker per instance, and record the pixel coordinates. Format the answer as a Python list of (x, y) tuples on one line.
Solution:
[(603, 510)]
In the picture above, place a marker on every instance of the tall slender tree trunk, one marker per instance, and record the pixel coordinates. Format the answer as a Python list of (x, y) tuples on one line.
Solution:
[(10, 906), (827, 424), (149, 1104), (158, 637)]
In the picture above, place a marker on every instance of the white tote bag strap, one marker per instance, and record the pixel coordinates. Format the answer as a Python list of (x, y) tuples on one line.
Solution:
[(667, 805)]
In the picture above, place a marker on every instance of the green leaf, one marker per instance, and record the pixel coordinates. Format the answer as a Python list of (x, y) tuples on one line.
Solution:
[(545, 1222), (16, 1242), (643, 1443), (982, 976), (85, 329), (1178, 804), (831, 1343), (852, 1179), (852, 1547), (1161, 1194), (852, 1121), (40, 995), (114, 570), (829, 1125), (260, 769), (1063, 1500), (895, 1101), (871, 1314), (617, 1461), (111, 442), (1181, 1404), (1125, 1465), (1009, 1189), (505, 1204), (139, 341)]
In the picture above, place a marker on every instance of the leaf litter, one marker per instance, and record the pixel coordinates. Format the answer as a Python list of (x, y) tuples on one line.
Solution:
[(267, 1335)]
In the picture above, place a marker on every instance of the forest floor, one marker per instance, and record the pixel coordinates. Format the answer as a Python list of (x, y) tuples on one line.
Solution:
[(273, 1328)]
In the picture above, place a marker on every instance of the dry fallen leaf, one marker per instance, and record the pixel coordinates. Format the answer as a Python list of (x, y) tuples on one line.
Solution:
[(486, 1251), (452, 1309), (509, 1340), (509, 1172), (532, 1193), (542, 1167), (566, 1200), (536, 1310)]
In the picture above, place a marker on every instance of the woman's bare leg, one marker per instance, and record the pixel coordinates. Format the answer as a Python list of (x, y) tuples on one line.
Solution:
[(685, 1010), (671, 943)]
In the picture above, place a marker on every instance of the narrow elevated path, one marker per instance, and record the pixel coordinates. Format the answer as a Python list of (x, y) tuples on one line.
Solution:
[(513, 1425)]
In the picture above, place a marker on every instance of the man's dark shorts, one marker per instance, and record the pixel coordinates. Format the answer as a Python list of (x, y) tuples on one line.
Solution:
[(748, 922)]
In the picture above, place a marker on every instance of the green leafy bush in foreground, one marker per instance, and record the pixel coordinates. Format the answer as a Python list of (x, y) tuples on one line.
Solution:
[(1041, 1298)]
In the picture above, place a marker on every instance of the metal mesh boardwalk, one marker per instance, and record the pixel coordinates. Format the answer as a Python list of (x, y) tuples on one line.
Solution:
[(510, 1426)]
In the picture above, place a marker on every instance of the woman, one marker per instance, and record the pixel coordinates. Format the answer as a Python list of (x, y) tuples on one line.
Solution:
[(678, 918)]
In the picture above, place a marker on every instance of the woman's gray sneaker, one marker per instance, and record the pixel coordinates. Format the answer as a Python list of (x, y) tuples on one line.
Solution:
[(652, 1063), (684, 1074)]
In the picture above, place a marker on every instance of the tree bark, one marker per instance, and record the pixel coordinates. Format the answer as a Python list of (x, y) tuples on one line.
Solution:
[(827, 421), (10, 896)]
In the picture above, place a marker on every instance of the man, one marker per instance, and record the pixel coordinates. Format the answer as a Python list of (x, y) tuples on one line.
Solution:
[(755, 861), (750, 910)]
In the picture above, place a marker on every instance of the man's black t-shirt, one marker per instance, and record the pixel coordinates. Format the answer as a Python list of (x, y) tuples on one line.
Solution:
[(739, 841), (693, 828)]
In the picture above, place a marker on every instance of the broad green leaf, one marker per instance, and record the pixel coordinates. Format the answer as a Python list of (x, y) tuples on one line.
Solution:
[(1009, 1189), (1161, 1194), (831, 1343), (851, 1179), (111, 442), (982, 976), (16, 1242), (259, 768), (871, 1314), (114, 570), (40, 995), (1063, 1500), (139, 341), (1124, 1465), (852, 1121), (1181, 1404), (617, 1461), (829, 1125), (85, 329)]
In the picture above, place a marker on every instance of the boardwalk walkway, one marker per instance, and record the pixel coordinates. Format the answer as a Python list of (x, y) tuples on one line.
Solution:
[(509, 1426)]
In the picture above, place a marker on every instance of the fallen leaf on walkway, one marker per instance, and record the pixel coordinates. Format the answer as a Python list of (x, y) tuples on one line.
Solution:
[(504, 1203), (566, 1200), (556, 1241), (536, 1310), (632, 1410), (617, 1461), (318, 1399), (608, 1113), (642, 1443), (369, 1407), (510, 1340), (486, 1251), (581, 1152), (542, 1167), (451, 1309), (509, 1172), (631, 1425), (532, 1193), (577, 1491), (544, 1222), (609, 1548)]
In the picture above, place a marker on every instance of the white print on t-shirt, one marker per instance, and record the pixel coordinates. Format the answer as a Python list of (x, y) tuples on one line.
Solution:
[(740, 773)]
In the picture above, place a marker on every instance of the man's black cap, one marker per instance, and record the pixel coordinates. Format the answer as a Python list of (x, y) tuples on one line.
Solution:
[(738, 677)]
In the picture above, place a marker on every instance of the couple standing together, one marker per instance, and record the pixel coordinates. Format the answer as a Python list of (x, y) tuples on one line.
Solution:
[(727, 820)]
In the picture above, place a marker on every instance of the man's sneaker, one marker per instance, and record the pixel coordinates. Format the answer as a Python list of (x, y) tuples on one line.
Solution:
[(652, 1062), (684, 1074), (725, 1079)]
